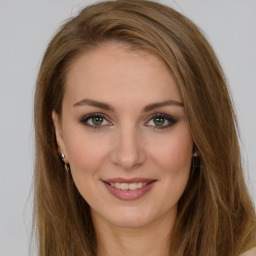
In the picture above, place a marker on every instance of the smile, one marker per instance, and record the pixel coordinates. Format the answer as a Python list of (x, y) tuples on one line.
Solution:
[(129, 189), (129, 186)]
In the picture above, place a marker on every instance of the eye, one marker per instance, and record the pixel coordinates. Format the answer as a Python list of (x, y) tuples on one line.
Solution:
[(157, 121), (161, 121), (95, 120)]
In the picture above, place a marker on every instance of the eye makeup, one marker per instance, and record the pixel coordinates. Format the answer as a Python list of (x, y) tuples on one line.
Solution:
[(161, 118), (157, 120)]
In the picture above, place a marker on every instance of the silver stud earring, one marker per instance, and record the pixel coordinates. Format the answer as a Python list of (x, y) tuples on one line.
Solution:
[(62, 156)]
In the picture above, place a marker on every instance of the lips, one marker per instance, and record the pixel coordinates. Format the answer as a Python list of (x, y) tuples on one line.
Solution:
[(128, 189), (122, 180)]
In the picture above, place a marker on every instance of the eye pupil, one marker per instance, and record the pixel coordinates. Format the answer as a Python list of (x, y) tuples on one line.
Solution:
[(159, 121), (97, 120)]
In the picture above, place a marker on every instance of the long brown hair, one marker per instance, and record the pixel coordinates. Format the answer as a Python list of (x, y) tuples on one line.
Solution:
[(215, 214)]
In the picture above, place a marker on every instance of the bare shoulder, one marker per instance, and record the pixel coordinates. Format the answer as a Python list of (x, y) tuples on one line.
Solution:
[(251, 252)]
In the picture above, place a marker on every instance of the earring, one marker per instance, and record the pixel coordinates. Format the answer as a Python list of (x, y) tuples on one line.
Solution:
[(195, 154), (195, 151), (67, 168)]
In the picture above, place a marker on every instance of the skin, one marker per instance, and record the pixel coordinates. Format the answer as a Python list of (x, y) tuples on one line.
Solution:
[(127, 144)]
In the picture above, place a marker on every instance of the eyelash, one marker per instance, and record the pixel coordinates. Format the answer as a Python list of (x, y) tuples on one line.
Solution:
[(170, 119)]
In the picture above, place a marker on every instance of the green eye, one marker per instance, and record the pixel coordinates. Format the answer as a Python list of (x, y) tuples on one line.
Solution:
[(97, 120), (159, 121)]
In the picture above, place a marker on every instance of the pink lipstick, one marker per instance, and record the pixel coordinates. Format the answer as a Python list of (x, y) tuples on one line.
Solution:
[(128, 189)]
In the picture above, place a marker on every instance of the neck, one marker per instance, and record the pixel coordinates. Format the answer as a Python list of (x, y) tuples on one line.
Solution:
[(150, 240)]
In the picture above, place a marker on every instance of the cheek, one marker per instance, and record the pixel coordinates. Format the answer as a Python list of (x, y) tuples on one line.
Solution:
[(86, 151), (173, 160), (174, 152)]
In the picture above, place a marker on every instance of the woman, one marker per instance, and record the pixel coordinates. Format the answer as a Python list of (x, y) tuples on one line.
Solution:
[(136, 140)]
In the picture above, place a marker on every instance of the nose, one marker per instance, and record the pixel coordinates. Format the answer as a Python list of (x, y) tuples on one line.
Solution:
[(128, 151)]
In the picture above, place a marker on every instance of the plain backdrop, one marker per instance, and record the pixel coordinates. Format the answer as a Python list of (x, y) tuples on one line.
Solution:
[(25, 29)]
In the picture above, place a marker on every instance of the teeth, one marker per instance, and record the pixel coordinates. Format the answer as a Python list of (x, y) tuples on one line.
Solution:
[(129, 186), (124, 186)]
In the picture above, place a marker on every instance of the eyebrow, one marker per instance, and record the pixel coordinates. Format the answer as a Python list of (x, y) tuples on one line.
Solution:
[(106, 106)]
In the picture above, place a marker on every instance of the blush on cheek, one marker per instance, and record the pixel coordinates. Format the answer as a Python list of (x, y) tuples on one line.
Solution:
[(175, 162), (83, 161), (173, 156), (86, 153), (183, 158)]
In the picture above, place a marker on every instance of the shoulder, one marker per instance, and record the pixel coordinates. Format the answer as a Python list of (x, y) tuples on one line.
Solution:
[(251, 252)]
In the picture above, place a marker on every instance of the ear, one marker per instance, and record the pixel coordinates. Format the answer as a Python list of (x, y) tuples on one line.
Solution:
[(59, 135)]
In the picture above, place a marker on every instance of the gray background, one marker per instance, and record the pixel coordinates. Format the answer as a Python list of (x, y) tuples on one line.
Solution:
[(25, 29)]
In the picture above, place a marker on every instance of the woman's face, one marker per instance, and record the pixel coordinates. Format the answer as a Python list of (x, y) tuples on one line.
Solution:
[(125, 135)]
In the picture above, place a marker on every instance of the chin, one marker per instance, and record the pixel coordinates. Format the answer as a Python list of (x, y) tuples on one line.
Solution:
[(130, 217), (130, 222)]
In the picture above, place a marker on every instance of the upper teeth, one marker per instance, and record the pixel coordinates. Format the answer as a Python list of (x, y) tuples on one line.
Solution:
[(128, 186)]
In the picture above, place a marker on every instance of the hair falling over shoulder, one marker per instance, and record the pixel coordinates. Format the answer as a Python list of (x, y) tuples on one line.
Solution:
[(216, 216)]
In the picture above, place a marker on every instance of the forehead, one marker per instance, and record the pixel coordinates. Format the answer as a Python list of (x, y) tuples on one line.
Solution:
[(115, 72)]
